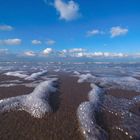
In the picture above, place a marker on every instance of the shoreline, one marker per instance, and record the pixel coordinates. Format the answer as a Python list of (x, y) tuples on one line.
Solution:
[(62, 123)]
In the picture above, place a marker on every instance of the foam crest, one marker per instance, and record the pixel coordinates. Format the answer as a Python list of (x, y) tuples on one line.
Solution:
[(128, 83), (36, 75), (35, 103), (86, 77), (86, 115), (20, 74), (95, 95)]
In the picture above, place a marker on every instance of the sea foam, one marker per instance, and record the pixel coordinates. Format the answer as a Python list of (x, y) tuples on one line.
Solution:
[(20, 74), (86, 115), (128, 83), (35, 103), (36, 75)]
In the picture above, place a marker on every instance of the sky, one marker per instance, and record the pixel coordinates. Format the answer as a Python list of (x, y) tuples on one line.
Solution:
[(70, 28)]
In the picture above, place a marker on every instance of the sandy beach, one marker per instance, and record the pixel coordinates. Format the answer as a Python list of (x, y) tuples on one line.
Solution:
[(62, 123)]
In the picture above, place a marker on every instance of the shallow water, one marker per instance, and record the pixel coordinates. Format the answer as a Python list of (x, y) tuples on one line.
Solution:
[(106, 75)]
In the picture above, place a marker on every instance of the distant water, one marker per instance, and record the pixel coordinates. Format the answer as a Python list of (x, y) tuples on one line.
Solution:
[(96, 68)]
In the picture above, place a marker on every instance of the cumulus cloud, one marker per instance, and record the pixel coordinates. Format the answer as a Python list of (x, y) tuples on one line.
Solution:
[(68, 11), (50, 42), (6, 28), (36, 42), (94, 32), (118, 31), (11, 42), (48, 51), (29, 53)]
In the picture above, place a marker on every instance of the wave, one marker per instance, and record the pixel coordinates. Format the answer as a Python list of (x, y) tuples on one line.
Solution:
[(126, 82), (36, 75), (86, 115), (20, 74), (35, 103)]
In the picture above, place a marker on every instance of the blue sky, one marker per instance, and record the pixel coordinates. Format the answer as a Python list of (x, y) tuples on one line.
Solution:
[(96, 26)]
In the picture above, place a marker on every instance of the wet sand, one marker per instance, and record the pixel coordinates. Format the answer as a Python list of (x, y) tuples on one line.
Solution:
[(5, 78), (108, 120), (119, 93), (62, 124), (136, 109), (6, 92)]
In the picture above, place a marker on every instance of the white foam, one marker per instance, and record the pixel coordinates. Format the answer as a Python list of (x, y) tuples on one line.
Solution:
[(36, 75), (87, 120), (128, 82), (95, 95), (76, 73), (86, 116), (8, 85), (20, 74), (85, 77), (35, 103), (56, 70)]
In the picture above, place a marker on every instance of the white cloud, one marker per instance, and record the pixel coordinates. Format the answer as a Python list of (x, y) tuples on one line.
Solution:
[(36, 42), (29, 53), (118, 31), (80, 52), (50, 42), (68, 11), (76, 50), (11, 42), (94, 32), (64, 51), (6, 28), (106, 54), (48, 51)]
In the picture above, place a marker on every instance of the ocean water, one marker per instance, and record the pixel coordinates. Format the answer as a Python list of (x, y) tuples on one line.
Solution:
[(101, 76)]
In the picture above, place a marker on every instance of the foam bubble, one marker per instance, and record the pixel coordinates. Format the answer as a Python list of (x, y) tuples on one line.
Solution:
[(85, 77), (128, 83), (35, 103), (86, 115), (20, 74), (35, 75), (76, 73), (87, 120)]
